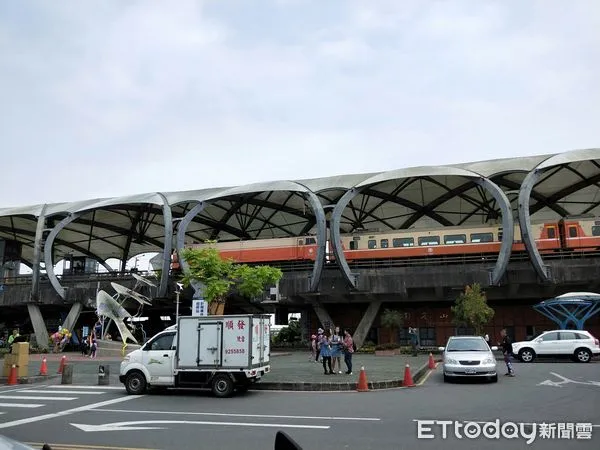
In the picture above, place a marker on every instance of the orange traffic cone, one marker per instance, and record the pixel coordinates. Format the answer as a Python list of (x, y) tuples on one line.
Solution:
[(44, 367), (431, 362), (362, 386), (63, 360), (12, 377), (407, 381)]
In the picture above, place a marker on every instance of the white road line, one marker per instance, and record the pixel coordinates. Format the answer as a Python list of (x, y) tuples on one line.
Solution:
[(70, 386), (270, 416), (35, 397), (20, 405), (67, 412), (47, 391), (139, 425)]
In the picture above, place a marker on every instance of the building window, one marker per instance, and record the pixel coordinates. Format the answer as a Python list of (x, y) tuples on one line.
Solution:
[(464, 331), (427, 337)]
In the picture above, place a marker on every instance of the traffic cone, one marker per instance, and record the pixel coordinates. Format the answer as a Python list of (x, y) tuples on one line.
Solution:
[(12, 377), (63, 360), (407, 381), (431, 361), (362, 386), (44, 367)]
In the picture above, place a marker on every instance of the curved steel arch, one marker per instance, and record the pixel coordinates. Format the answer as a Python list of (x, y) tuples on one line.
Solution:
[(319, 220), (48, 253), (37, 254), (168, 245), (492, 188)]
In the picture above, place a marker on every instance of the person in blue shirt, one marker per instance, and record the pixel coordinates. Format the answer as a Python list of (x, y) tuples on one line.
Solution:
[(326, 352)]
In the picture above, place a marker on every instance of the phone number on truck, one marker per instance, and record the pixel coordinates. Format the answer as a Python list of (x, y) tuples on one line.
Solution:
[(235, 351)]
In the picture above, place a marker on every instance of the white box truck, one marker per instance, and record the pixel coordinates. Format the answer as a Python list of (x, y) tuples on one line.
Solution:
[(222, 353)]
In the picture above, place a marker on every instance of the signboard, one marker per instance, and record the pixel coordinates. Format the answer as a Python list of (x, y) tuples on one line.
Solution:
[(199, 308)]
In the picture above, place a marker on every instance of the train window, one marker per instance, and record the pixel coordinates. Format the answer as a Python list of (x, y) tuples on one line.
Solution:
[(429, 240), (572, 231), (477, 238), (372, 243), (384, 243), (353, 245), (300, 241), (310, 241), (499, 235), (455, 239), (596, 230), (551, 233), (404, 242)]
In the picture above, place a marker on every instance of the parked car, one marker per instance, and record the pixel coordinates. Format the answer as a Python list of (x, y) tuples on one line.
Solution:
[(469, 356), (580, 345)]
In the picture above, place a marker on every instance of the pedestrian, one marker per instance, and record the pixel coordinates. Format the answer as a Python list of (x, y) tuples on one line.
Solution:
[(414, 340), (507, 350), (487, 340), (337, 342), (319, 339), (326, 352), (313, 347), (348, 351)]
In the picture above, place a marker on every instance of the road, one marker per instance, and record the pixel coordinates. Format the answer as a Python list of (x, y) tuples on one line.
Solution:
[(558, 393)]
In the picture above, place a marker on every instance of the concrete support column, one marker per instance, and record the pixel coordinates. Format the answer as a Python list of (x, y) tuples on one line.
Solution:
[(323, 315), (366, 323), (72, 317), (39, 327)]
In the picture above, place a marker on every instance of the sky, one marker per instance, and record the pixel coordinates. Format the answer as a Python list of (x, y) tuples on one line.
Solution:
[(111, 98)]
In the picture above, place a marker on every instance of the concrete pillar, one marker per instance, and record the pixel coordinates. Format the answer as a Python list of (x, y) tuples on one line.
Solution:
[(323, 315), (71, 319), (39, 327), (366, 322)]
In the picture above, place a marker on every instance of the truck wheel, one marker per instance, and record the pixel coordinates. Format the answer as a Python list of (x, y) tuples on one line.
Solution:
[(222, 385), (135, 383)]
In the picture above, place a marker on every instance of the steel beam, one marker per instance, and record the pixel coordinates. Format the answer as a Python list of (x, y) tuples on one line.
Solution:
[(48, 260), (525, 223), (508, 228), (182, 229), (168, 246), (321, 223), (37, 256), (336, 238)]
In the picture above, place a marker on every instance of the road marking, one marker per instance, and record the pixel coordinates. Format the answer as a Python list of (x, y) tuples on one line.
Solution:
[(70, 386), (46, 391), (20, 405), (67, 412), (83, 447), (429, 372), (31, 397), (565, 380), (265, 416), (138, 425)]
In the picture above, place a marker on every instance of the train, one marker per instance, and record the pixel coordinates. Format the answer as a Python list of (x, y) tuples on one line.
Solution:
[(572, 234)]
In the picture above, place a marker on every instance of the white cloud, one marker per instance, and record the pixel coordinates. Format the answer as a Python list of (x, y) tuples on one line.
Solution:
[(116, 98)]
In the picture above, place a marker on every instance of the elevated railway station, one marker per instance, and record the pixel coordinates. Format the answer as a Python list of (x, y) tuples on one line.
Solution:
[(526, 229)]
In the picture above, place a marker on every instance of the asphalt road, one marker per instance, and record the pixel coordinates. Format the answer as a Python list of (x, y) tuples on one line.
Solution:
[(558, 393)]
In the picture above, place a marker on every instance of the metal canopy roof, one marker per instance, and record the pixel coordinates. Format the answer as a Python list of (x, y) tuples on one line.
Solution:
[(412, 197)]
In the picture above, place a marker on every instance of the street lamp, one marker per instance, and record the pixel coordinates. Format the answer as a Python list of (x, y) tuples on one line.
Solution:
[(178, 290)]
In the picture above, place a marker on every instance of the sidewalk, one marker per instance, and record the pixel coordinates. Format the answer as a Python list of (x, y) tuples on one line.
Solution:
[(289, 371)]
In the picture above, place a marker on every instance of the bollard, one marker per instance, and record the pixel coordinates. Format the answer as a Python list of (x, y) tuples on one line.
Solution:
[(67, 374), (103, 375)]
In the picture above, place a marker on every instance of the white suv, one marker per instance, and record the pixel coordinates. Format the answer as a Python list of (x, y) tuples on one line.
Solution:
[(578, 344)]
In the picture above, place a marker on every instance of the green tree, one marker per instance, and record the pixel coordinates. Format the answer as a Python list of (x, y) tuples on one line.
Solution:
[(392, 320), (220, 277), (471, 309)]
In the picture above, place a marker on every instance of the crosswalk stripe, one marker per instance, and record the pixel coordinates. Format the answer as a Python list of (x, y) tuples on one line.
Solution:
[(70, 386), (30, 397), (47, 391), (20, 405)]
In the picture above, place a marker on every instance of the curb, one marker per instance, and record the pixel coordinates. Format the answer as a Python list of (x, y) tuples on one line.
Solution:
[(336, 387), (30, 380)]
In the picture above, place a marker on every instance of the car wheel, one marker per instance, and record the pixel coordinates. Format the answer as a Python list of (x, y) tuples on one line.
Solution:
[(135, 384), (526, 355), (222, 385), (583, 355)]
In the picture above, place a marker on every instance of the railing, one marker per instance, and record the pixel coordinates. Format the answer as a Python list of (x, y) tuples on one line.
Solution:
[(86, 277)]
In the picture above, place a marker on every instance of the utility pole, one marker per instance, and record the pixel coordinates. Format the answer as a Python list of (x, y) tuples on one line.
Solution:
[(177, 292)]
